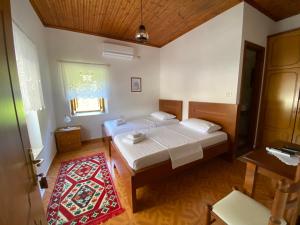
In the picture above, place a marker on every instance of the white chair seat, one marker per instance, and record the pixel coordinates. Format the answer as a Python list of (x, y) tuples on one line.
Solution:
[(239, 209)]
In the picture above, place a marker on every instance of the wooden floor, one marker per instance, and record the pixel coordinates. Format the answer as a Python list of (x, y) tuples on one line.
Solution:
[(179, 200)]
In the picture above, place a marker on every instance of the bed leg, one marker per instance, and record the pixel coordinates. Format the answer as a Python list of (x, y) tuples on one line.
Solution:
[(133, 199), (229, 156)]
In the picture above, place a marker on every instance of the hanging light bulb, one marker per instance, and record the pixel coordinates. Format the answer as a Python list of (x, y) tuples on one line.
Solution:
[(142, 35)]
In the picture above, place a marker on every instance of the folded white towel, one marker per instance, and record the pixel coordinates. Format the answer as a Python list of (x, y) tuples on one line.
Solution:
[(120, 122), (289, 160), (134, 135), (135, 140)]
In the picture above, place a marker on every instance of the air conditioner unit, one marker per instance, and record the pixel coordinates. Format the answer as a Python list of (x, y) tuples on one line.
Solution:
[(117, 51)]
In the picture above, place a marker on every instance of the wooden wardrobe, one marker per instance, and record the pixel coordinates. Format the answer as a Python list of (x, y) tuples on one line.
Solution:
[(281, 110)]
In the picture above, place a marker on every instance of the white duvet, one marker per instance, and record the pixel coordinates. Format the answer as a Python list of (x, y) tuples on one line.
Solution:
[(136, 124), (176, 142)]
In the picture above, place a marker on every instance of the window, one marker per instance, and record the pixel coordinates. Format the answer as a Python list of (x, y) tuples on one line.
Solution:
[(30, 85), (85, 87)]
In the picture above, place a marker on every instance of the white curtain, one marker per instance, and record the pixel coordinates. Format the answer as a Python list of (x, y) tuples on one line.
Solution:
[(28, 71), (82, 80), (34, 132)]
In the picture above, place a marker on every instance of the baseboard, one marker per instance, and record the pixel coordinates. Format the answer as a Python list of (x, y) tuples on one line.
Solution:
[(91, 141)]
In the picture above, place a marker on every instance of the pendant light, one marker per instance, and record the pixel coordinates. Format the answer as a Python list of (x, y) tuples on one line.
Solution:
[(142, 35)]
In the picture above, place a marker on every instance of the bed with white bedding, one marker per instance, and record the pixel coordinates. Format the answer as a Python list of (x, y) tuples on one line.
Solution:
[(160, 144)]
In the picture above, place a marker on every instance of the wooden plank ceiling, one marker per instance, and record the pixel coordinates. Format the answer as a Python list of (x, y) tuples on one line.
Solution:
[(165, 20)]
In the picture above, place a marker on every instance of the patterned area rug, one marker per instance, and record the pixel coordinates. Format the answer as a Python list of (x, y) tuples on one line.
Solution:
[(84, 193)]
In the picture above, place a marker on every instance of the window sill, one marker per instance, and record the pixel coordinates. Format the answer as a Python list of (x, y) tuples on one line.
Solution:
[(79, 114)]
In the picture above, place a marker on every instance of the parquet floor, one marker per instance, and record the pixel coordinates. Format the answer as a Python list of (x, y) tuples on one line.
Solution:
[(178, 200)]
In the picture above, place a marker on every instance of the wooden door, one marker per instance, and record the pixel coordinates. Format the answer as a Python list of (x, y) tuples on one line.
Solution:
[(284, 50), (280, 105), (20, 200)]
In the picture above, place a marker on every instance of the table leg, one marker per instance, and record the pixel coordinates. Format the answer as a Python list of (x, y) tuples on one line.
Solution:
[(250, 177), (293, 216), (273, 188)]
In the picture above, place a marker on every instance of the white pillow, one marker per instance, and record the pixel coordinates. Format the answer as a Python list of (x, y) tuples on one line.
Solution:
[(202, 126), (162, 115)]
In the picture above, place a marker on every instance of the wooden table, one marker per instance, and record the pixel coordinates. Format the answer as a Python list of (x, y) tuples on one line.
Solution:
[(259, 161), (68, 139)]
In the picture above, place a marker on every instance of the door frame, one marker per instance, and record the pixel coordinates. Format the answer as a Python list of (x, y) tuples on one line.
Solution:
[(259, 73)]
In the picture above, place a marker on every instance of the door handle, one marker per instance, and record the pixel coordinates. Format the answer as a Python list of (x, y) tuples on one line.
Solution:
[(37, 162), (34, 163), (37, 178)]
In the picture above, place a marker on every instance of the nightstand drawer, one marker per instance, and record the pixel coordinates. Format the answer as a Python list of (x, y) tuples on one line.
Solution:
[(68, 140)]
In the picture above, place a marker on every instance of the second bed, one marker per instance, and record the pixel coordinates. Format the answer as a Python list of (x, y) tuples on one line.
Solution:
[(167, 150)]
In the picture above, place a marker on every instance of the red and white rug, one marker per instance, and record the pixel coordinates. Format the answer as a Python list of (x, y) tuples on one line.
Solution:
[(84, 193)]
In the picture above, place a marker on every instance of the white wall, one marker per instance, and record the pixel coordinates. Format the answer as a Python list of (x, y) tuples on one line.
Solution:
[(257, 26), (203, 64), (66, 45), (290, 23), (27, 20)]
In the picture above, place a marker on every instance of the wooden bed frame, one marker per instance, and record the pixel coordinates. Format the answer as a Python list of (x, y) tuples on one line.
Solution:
[(223, 114), (170, 106)]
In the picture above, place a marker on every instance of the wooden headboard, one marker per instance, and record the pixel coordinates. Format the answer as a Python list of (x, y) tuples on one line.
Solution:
[(171, 106), (223, 114)]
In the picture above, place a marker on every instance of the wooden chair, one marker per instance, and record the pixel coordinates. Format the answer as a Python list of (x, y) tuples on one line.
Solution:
[(237, 208)]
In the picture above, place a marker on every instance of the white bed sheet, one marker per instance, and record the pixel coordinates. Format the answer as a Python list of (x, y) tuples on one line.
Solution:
[(149, 152), (146, 122)]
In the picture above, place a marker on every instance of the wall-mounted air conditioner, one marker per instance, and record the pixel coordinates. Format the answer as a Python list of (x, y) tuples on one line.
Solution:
[(117, 51)]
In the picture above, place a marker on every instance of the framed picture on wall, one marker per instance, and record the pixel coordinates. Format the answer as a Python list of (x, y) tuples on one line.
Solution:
[(136, 84)]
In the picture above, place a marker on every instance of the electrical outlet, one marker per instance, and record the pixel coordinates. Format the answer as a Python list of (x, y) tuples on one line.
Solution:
[(228, 94)]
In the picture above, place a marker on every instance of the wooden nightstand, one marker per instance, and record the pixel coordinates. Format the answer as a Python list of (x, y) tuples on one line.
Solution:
[(68, 139)]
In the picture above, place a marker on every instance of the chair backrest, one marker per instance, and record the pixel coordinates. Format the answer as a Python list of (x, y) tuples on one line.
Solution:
[(286, 198)]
